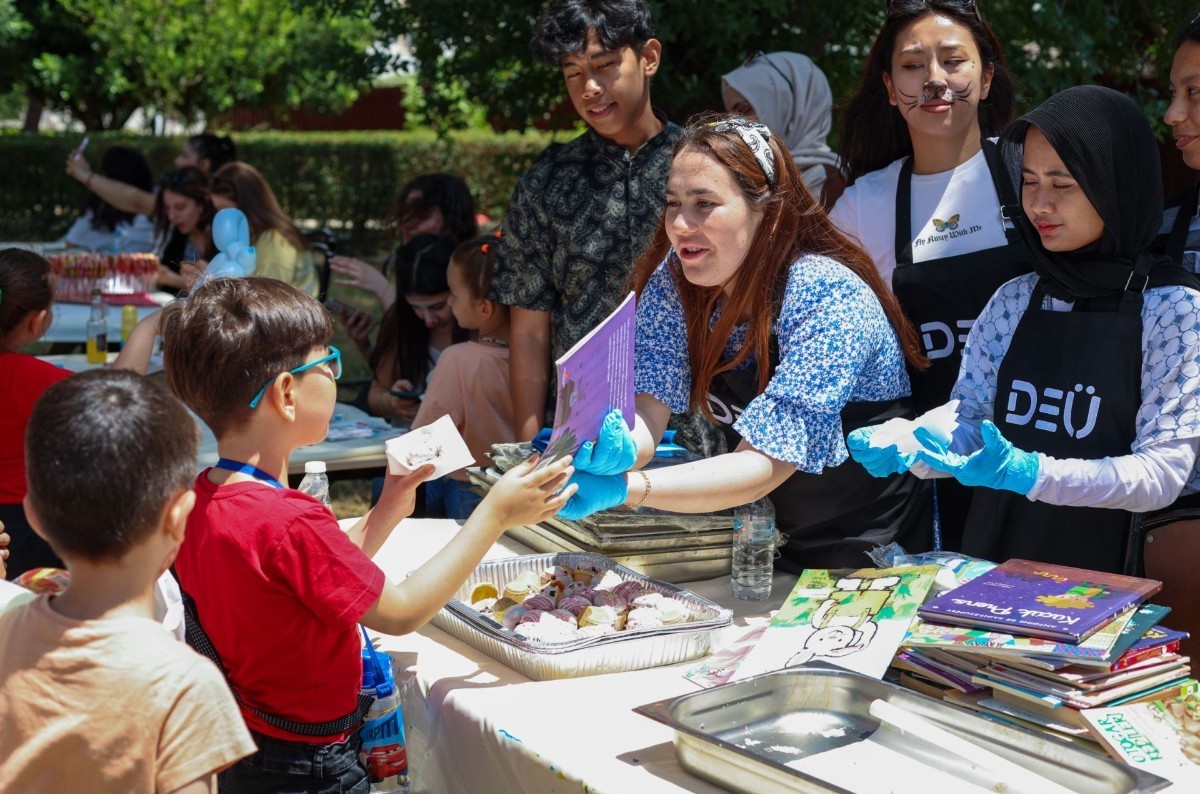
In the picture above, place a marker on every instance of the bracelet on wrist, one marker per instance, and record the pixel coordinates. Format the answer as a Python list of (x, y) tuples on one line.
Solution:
[(645, 493)]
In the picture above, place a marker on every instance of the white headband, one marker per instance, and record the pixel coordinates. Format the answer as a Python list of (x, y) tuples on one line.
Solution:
[(757, 137)]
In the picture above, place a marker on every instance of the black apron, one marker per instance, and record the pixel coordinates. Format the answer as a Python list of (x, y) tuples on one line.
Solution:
[(831, 519), (942, 298), (1069, 386)]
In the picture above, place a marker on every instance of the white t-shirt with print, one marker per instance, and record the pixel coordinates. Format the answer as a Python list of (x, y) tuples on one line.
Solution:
[(953, 212)]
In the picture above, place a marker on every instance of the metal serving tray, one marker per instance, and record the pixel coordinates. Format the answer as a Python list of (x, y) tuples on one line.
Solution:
[(612, 653), (623, 529), (742, 736), (670, 564)]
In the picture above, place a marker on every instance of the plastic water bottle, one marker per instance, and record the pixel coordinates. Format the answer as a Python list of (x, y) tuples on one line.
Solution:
[(97, 331), (316, 482), (754, 550), (383, 752)]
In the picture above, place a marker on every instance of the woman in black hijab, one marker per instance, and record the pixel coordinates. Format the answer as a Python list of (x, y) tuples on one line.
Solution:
[(1080, 383)]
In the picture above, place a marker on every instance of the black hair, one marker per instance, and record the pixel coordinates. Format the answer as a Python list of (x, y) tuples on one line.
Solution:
[(403, 341), (188, 181), (105, 451), (124, 164), (563, 29), (230, 337), (447, 193), (1189, 32), (217, 149), (26, 285), (874, 133)]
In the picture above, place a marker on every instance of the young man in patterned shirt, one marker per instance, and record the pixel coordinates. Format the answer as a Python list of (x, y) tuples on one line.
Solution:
[(583, 212)]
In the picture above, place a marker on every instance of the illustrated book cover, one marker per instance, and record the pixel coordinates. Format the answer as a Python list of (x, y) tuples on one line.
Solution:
[(594, 377), (1040, 600), (855, 621), (1162, 737)]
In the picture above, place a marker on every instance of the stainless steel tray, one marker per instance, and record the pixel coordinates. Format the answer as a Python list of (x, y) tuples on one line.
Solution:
[(622, 528), (671, 564), (612, 653), (742, 735)]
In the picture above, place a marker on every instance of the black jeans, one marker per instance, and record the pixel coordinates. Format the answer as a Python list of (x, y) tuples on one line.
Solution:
[(284, 767)]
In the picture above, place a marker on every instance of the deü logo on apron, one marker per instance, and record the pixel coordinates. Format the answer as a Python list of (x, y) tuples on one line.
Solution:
[(940, 339), (1051, 403)]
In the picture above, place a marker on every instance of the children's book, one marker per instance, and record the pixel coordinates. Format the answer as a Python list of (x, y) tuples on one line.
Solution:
[(854, 621), (1098, 646), (1161, 737), (594, 377), (1040, 600)]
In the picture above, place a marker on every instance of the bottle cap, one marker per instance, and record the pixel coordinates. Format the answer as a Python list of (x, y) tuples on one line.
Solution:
[(314, 467)]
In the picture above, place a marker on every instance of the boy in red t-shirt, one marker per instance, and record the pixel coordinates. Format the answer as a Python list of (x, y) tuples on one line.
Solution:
[(278, 587)]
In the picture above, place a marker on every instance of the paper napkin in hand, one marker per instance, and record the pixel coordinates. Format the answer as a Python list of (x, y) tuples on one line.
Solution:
[(439, 443)]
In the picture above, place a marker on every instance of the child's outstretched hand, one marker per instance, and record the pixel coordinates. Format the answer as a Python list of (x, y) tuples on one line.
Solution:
[(400, 490), (525, 496)]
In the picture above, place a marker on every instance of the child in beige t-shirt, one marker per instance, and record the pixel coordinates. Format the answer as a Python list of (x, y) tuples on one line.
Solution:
[(95, 694), (471, 381)]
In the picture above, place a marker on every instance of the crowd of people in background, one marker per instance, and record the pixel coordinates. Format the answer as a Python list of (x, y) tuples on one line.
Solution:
[(791, 299)]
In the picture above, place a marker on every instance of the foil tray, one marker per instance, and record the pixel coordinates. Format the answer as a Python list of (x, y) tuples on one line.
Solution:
[(750, 735), (612, 653)]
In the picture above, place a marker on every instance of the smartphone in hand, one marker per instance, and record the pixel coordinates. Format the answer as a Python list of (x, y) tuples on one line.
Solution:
[(337, 307)]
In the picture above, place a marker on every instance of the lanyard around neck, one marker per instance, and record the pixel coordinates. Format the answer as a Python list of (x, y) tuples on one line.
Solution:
[(246, 468)]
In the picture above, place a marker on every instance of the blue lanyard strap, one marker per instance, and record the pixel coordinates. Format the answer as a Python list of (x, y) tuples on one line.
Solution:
[(246, 468)]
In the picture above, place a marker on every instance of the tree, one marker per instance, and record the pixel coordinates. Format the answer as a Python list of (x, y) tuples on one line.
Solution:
[(100, 60), (481, 50)]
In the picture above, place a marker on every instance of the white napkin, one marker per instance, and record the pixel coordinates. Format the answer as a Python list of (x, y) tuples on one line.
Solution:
[(439, 443), (940, 422)]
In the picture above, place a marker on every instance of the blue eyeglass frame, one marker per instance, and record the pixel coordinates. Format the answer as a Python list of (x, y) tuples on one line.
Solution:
[(334, 355)]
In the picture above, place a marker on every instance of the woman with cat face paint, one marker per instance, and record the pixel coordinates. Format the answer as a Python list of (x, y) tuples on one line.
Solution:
[(923, 197), (1080, 383)]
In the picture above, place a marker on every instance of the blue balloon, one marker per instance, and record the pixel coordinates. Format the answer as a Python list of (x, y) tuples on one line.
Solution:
[(231, 235)]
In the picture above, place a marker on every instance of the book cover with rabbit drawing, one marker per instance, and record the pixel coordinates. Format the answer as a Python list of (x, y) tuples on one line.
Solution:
[(1040, 600), (855, 620)]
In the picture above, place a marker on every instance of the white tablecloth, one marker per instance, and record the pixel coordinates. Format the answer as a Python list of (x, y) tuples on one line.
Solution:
[(474, 725), (70, 319)]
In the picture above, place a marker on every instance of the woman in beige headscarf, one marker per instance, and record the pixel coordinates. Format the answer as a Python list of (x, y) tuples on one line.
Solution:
[(790, 94)]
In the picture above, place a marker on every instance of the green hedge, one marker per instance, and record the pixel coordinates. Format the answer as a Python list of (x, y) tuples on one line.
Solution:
[(346, 180)]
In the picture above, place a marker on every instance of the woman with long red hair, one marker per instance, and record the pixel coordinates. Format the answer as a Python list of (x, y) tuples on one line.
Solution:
[(755, 310)]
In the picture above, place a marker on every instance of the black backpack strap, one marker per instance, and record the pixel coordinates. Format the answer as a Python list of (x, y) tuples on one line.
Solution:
[(198, 639)]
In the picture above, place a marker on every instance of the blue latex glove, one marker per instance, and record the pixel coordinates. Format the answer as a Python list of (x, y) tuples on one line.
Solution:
[(595, 493), (997, 465), (878, 461), (613, 452)]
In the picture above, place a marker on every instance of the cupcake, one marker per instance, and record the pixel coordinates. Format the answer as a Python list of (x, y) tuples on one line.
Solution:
[(629, 590), (540, 602), (565, 616), (585, 573), (484, 590), (513, 615), (501, 607), (672, 611), (647, 599), (598, 616), (574, 604), (557, 573), (644, 618), (554, 589)]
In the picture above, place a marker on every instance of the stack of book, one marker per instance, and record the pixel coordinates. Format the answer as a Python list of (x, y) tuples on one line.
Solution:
[(1035, 644)]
